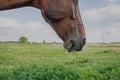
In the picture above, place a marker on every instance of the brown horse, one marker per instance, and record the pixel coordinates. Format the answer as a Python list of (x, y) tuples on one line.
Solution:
[(62, 15)]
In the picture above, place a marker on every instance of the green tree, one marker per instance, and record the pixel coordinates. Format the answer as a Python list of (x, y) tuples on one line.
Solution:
[(44, 41), (23, 39)]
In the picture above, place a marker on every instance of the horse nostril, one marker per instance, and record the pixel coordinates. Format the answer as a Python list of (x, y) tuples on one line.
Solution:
[(84, 41)]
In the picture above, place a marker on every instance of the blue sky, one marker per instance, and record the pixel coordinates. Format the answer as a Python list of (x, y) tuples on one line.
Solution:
[(101, 19)]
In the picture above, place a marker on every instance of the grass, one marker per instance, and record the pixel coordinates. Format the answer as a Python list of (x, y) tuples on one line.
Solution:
[(53, 62)]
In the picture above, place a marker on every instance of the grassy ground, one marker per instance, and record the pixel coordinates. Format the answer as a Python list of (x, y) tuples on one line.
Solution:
[(52, 62)]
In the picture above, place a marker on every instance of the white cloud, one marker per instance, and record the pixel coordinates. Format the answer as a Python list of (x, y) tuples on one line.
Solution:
[(112, 32), (115, 27), (111, 0), (107, 12), (7, 22), (107, 17), (10, 29), (94, 35)]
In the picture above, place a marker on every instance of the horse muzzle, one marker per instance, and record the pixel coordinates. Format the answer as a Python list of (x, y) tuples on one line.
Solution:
[(75, 44)]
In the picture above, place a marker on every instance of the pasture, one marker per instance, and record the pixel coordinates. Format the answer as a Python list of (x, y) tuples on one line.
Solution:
[(53, 62)]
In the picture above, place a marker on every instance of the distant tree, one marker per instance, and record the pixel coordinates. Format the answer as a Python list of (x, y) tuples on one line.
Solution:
[(44, 41), (23, 39)]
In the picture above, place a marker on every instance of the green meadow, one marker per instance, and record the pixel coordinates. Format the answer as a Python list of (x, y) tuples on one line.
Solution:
[(53, 62)]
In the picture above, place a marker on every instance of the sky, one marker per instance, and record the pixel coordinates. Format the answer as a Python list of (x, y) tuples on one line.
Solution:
[(101, 19)]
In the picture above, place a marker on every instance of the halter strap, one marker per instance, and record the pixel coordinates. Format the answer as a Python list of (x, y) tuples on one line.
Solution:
[(73, 11)]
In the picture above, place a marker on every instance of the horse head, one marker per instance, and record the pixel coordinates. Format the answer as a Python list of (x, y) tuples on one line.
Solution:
[(64, 17)]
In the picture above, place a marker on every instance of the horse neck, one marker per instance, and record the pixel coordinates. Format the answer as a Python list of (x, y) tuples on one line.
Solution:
[(11, 4)]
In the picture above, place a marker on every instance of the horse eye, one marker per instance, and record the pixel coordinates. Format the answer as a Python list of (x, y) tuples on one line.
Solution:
[(53, 19)]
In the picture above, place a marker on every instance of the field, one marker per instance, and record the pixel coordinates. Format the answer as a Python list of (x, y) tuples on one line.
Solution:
[(53, 62)]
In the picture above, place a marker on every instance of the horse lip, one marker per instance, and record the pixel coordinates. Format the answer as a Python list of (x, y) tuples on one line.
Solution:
[(69, 46)]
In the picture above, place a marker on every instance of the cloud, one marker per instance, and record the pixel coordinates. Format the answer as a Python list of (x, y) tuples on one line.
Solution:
[(11, 29), (111, 2), (100, 14), (103, 22), (110, 32), (7, 22), (115, 27)]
